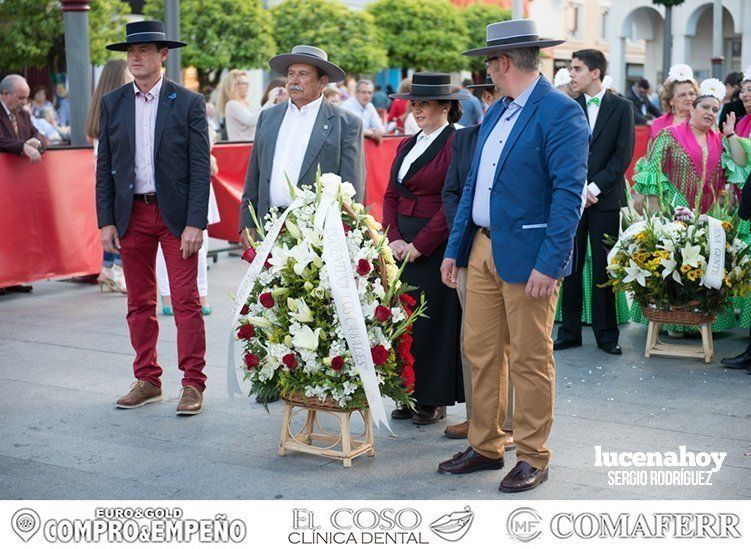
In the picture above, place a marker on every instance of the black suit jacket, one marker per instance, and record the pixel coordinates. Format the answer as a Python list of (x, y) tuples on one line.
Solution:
[(637, 102), (735, 106), (744, 208), (181, 158), (611, 147), (462, 150)]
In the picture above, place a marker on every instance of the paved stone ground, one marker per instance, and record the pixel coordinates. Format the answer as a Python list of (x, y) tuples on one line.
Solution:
[(65, 357)]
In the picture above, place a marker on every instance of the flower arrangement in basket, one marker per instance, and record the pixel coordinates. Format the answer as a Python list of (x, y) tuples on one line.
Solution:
[(294, 344), (680, 267)]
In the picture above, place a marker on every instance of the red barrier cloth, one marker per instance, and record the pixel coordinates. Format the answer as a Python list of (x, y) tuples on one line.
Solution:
[(48, 226), (640, 149)]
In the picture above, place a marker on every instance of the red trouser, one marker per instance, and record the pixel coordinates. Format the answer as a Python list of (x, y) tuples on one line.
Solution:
[(139, 246)]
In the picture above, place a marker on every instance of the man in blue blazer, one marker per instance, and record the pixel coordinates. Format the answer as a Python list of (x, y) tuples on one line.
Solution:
[(152, 188), (514, 230)]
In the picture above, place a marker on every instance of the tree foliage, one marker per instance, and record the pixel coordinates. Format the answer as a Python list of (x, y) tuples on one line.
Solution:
[(477, 17), (348, 37), (421, 34), (32, 32), (221, 34)]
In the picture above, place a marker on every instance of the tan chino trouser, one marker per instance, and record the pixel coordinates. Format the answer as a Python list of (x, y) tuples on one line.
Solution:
[(502, 324), (508, 426)]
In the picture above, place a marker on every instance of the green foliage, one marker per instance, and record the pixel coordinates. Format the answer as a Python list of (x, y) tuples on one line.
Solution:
[(348, 37), (221, 34), (421, 34), (33, 33), (477, 17)]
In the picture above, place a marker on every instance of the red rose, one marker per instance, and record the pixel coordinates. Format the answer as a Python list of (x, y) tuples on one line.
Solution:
[(266, 299), (408, 376), (266, 263), (407, 300), (382, 314), (363, 267), (347, 228), (245, 310), (337, 363), (246, 331), (249, 255), (380, 355), (404, 345), (290, 361), (251, 361)]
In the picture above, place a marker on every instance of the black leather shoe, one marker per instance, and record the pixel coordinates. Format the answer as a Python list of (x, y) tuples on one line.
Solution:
[(402, 412), (427, 415), (748, 370), (469, 461), (611, 348), (561, 344), (523, 477), (738, 362)]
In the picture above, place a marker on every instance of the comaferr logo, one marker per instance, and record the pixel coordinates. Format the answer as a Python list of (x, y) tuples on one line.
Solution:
[(641, 525)]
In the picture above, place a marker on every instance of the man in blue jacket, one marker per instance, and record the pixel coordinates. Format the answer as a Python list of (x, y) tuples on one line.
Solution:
[(514, 230)]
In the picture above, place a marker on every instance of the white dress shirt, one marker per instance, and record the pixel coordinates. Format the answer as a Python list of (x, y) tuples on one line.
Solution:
[(592, 109), (368, 114), (491, 154), (146, 108), (289, 153), (423, 142)]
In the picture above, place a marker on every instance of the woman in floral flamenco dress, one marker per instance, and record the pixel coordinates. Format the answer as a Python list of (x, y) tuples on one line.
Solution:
[(683, 167)]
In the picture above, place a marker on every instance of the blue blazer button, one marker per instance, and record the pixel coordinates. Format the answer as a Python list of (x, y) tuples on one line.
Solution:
[(130, 186)]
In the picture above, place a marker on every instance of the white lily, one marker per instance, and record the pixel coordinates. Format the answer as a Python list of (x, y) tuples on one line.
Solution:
[(303, 256), (259, 321), (634, 272), (301, 310), (692, 256), (670, 264), (305, 338)]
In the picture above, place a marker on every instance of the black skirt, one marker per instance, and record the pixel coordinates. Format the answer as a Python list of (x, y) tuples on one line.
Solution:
[(438, 367)]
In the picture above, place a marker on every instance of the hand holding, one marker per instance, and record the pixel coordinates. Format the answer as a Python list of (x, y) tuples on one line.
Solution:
[(191, 241)]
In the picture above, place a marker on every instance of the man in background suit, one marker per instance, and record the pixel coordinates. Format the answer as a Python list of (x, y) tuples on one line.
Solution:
[(462, 151), (644, 111), (610, 148), (294, 138), (17, 134), (152, 183)]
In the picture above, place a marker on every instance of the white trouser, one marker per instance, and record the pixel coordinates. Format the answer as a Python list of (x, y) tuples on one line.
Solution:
[(203, 279)]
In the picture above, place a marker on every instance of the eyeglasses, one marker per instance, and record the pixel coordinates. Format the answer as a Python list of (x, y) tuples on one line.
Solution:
[(489, 60)]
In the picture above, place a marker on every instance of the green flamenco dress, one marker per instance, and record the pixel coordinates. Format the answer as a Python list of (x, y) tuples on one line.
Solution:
[(682, 173), (621, 302), (737, 175)]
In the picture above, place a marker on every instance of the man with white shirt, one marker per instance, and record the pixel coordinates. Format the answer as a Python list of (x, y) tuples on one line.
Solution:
[(361, 105), (611, 145), (297, 137)]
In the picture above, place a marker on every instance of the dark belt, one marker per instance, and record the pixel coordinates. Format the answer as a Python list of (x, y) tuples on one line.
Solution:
[(148, 198), (485, 231)]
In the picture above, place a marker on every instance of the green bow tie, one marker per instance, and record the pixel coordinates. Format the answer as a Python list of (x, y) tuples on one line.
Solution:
[(593, 101)]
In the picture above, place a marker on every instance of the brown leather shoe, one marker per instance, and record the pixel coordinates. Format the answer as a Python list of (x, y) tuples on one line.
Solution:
[(469, 461), (523, 477), (457, 431), (141, 392), (191, 402)]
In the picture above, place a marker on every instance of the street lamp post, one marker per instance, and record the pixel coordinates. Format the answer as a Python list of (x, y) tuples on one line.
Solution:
[(76, 23), (718, 60), (517, 10), (174, 63)]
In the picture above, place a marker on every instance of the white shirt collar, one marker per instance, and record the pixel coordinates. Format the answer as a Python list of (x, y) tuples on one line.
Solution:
[(313, 105), (154, 91), (430, 137)]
